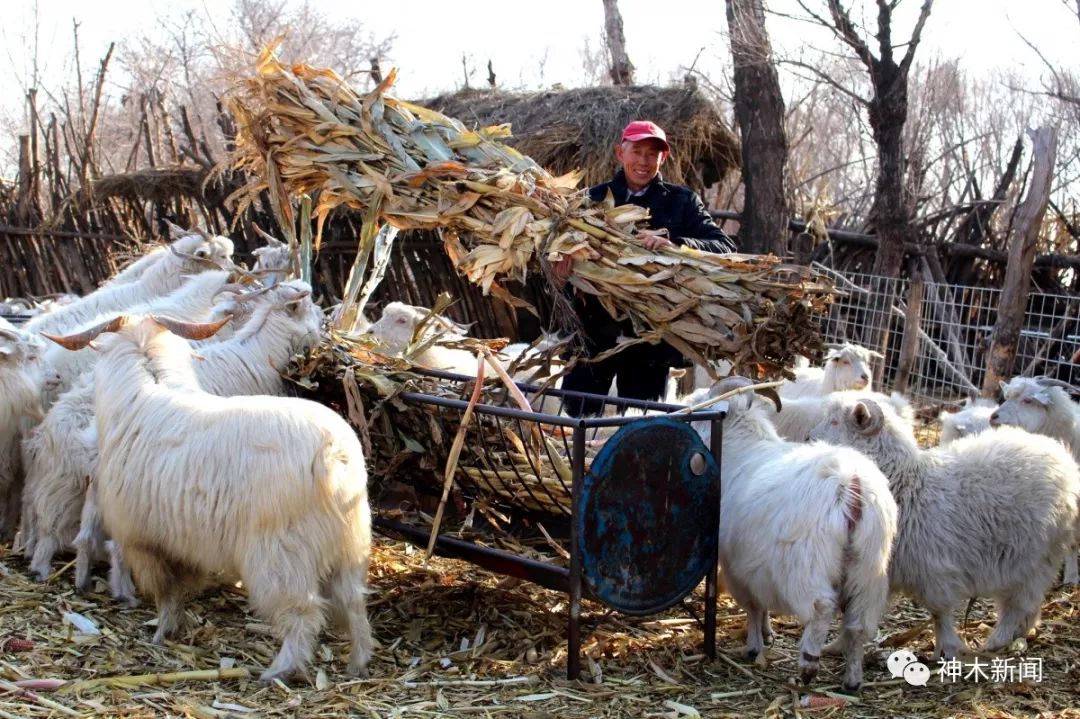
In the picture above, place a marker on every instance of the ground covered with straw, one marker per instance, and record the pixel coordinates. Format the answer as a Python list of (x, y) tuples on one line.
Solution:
[(457, 641)]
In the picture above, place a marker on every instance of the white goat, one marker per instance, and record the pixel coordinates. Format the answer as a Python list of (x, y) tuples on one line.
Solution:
[(187, 255), (973, 417), (1040, 405), (20, 408), (992, 515), (805, 529), (272, 490), (799, 416), (846, 367), (63, 448)]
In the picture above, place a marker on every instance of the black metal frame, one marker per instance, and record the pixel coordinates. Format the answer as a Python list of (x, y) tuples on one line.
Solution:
[(550, 576)]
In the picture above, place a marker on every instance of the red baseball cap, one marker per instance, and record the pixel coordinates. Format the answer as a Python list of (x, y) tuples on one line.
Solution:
[(643, 130)]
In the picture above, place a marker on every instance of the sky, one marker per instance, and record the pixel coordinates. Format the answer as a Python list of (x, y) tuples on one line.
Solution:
[(534, 45)]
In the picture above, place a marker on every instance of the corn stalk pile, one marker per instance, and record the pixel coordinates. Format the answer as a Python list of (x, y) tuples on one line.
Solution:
[(304, 132)]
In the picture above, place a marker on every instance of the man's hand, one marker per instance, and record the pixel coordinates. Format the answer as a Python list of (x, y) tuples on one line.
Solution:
[(654, 239)]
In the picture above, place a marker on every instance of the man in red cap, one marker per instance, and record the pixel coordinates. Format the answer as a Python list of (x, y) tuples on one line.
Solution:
[(677, 217)]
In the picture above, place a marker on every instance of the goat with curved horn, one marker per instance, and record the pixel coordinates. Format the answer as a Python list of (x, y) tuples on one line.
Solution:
[(191, 330), (84, 338)]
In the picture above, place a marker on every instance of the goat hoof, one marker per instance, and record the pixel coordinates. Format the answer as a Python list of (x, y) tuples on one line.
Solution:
[(852, 689), (750, 654), (807, 674)]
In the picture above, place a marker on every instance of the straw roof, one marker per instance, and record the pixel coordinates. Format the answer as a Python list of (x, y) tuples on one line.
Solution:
[(576, 129), (159, 184)]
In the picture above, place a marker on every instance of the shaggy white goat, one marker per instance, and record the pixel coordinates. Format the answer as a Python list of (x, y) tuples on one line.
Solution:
[(21, 378), (1040, 405), (799, 416), (992, 515), (805, 529), (272, 490), (64, 451), (846, 367), (973, 417), (187, 255)]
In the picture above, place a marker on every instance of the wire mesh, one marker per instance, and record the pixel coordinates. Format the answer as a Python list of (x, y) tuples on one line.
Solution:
[(955, 326)]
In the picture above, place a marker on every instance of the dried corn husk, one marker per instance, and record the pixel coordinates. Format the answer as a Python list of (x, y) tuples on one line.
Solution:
[(303, 131)]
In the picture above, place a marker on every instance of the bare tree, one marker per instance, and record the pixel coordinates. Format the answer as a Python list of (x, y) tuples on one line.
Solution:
[(622, 70), (887, 110), (759, 107)]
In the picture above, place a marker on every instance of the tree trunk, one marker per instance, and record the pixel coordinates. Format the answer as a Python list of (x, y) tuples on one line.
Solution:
[(1013, 301), (622, 70), (759, 108)]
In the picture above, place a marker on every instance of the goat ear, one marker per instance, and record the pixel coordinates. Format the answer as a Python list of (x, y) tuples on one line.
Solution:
[(867, 417), (176, 231)]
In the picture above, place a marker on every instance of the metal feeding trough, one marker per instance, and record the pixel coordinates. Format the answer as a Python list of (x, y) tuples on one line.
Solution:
[(641, 514)]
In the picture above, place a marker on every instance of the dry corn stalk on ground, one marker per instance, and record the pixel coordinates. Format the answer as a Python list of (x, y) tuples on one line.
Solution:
[(305, 131), (456, 641)]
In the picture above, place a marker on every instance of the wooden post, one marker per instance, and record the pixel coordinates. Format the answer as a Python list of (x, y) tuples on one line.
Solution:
[(909, 346), (1014, 294)]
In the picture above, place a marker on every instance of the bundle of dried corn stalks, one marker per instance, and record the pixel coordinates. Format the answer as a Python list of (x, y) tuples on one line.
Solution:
[(304, 131)]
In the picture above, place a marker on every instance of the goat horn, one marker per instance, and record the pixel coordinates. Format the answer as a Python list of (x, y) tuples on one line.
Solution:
[(191, 330), (82, 339), (274, 242), (11, 335), (1050, 381), (244, 297), (770, 393), (299, 296)]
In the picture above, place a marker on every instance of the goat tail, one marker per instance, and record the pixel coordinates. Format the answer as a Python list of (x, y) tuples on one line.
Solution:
[(871, 513)]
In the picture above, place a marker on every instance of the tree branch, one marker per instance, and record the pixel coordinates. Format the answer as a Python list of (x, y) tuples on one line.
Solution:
[(824, 77), (916, 36), (845, 30)]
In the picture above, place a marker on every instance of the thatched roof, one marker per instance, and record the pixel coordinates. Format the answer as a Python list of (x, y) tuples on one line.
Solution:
[(577, 129), (162, 184)]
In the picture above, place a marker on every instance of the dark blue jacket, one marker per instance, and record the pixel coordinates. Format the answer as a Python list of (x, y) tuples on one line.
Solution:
[(682, 212), (674, 207)]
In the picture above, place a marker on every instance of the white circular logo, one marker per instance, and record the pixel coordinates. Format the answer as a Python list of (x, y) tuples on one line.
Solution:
[(904, 664)]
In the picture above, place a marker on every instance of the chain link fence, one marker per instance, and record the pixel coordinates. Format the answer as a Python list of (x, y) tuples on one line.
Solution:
[(953, 325)]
